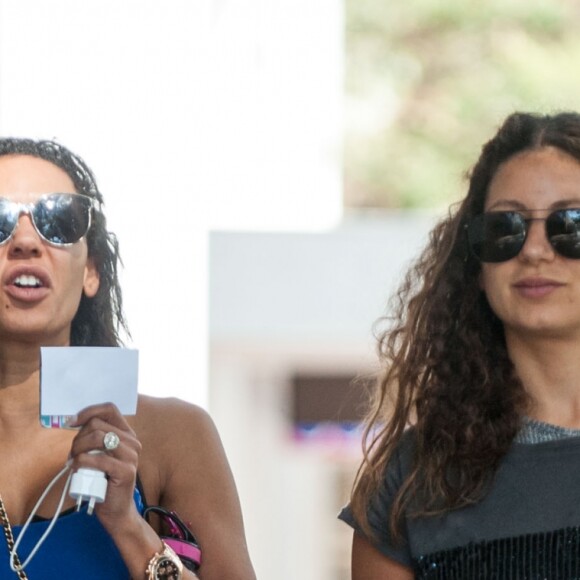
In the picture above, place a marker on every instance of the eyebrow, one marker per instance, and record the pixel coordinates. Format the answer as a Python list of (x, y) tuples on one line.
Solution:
[(512, 204)]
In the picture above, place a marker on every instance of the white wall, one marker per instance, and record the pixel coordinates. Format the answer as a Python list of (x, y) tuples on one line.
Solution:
[(193, 115), (116, 81)]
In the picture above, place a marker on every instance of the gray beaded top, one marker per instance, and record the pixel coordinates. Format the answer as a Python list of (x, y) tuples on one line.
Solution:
[(533, 431)]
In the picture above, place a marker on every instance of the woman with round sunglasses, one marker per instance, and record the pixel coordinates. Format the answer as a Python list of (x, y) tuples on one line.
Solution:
[(471, 462), (59, 287)]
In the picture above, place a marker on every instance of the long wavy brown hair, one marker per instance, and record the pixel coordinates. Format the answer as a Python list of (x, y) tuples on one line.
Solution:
[(447, 371)]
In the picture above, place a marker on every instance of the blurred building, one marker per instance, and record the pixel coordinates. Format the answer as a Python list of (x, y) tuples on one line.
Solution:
[(291, 352)]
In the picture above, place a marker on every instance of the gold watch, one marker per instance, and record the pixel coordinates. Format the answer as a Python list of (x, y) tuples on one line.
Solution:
[(164, 565)]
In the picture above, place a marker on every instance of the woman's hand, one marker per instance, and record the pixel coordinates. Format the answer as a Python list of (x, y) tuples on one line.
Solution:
[(119, 464)]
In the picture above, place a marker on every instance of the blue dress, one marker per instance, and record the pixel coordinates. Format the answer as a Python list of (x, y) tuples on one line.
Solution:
[(78, 547)]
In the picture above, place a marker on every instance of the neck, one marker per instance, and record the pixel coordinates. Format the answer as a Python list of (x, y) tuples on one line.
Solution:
[(19, 386), (549, 369)]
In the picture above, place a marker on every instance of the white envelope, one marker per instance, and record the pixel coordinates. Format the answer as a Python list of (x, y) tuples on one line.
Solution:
[(74, 377)]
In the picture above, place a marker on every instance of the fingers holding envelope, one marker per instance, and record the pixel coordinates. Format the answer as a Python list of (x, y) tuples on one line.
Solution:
[(104, 430)]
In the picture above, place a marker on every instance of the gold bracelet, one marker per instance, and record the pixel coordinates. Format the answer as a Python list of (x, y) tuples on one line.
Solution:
[(164, 565)]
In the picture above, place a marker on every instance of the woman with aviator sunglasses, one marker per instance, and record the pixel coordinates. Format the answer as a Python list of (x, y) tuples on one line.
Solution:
[(472, 449), (59, 287)]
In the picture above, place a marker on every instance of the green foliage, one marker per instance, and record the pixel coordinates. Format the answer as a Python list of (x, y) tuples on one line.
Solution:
[(428, 81)]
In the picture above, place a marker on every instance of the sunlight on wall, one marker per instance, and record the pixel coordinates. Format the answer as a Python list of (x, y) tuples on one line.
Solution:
[(193, 115)]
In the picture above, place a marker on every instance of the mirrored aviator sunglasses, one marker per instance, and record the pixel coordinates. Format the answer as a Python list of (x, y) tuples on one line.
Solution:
[(61, 219), (499, 236)]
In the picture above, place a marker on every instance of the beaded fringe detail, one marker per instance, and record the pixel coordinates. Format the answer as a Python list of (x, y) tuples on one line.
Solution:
[(551, 555)]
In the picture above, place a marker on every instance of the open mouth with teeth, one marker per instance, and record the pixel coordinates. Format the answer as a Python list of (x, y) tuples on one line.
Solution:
[(27, 282)]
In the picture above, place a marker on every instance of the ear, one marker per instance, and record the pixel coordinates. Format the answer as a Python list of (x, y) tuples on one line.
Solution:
[(91, 279)]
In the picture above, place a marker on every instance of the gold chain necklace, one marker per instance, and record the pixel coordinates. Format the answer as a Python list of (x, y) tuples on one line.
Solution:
[(10, 540)]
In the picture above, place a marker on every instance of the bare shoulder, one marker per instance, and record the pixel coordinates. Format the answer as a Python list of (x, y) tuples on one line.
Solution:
[(170, 414), (170, 428), (185, 469)]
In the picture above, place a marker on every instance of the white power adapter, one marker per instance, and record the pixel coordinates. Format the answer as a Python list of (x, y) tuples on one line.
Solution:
[(88, 484)]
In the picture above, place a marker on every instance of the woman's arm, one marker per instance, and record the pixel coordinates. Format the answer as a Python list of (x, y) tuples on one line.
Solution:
[(198, 485), (177, 446), (369, 564)]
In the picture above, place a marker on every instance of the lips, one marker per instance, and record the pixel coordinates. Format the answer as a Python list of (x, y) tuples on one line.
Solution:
[(537, 287), (28, 284)]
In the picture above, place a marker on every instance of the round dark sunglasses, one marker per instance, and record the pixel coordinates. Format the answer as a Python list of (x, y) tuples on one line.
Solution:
[(498, 236), (61, 219)]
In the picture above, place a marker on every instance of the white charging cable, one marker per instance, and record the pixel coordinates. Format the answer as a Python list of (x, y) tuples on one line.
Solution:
[(89, 484)]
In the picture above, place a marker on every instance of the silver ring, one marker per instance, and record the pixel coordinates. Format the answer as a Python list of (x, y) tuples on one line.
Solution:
[(111, 441)]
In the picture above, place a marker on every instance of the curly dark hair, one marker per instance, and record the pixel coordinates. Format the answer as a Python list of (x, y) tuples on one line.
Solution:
[(99, 319), (447, 370)]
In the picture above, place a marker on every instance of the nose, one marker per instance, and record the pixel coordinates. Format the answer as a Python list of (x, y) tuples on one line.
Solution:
[(537, 246), (25, 241)]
